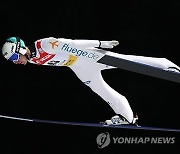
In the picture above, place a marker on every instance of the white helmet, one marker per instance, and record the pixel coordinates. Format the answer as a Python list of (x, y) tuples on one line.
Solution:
[(13, 47)]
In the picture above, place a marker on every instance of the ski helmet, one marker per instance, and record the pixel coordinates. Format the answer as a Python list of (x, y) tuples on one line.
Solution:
[(13, 47)]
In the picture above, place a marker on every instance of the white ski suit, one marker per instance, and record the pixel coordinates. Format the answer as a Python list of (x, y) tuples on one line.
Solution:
[(81, 56)]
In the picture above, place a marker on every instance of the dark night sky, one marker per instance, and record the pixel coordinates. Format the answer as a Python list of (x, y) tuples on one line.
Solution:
[(148, 28)]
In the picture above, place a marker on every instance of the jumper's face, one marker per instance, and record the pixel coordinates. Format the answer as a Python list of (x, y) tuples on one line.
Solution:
[(22, 60)]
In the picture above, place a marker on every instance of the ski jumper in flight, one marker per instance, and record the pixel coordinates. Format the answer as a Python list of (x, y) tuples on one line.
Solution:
[(81, 57)]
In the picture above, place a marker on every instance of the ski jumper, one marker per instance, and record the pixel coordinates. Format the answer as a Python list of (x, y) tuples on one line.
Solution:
[(81, 56)]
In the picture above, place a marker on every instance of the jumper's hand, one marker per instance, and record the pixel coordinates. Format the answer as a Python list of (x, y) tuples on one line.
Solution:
[(108, 44)]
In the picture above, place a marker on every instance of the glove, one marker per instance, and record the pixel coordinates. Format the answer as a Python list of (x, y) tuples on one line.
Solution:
[(108, 44)]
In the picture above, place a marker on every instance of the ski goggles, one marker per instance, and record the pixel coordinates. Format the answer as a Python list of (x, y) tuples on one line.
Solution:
[(14, 57)]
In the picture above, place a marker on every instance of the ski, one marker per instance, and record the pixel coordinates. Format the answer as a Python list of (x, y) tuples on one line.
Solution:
[(84, 124), (116, 60)]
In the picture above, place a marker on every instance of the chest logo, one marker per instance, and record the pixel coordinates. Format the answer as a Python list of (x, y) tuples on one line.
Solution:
[(54, 44), (44, 57)]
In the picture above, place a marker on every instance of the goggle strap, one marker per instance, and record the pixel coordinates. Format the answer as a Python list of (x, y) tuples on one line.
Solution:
[(17, 44)]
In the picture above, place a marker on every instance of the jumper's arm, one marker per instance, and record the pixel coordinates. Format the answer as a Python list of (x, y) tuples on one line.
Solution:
[(156, 67)]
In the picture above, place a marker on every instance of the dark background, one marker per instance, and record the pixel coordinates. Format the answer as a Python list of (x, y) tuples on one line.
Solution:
[(147, 28)]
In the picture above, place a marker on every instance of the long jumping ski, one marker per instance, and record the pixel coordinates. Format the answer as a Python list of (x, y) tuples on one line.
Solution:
[(91, 124)]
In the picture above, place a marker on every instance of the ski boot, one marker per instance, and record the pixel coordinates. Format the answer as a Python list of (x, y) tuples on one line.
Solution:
[(117, 120), (173, 69)]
